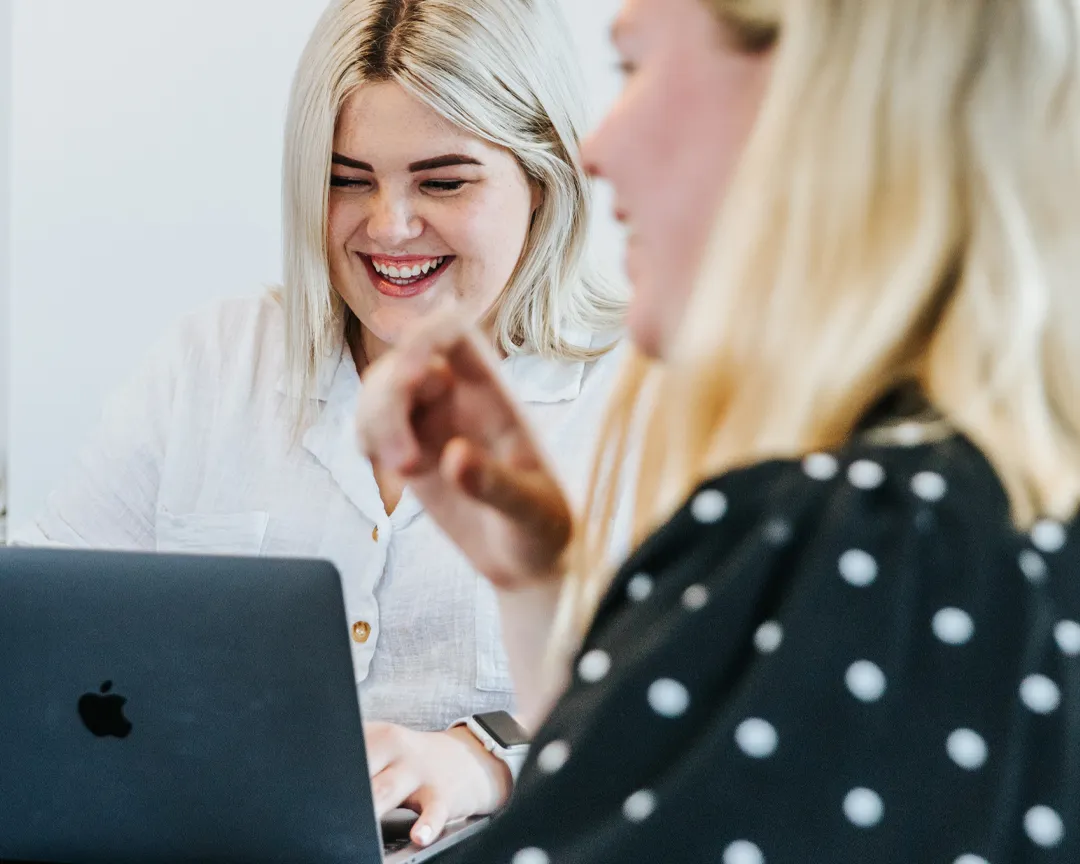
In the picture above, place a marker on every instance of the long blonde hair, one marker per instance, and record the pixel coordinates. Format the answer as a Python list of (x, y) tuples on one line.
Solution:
[(907, 209), (503, 70)]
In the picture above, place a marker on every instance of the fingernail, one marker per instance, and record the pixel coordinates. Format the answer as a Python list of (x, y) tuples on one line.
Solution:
[(424, 835)]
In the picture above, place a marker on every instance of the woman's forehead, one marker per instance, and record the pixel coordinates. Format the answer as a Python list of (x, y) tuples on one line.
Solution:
[(382, 122)]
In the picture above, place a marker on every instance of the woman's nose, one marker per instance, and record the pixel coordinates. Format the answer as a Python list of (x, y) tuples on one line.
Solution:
[(393, 220)]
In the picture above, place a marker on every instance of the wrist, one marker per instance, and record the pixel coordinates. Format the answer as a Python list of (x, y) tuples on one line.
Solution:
[(506, 582), (541, 573), (498, 781)]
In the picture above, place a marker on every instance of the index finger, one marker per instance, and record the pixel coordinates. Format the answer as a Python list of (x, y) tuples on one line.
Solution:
[(471, 360), (397, 384)]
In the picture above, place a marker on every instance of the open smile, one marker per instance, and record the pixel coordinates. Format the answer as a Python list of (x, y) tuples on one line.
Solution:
[(405, 277)]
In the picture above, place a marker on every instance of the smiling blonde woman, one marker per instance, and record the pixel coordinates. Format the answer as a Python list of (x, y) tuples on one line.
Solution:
[(431, 163)]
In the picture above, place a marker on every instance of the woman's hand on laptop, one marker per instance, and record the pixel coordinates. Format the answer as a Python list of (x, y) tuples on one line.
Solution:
[(436, 414), (441, 775)]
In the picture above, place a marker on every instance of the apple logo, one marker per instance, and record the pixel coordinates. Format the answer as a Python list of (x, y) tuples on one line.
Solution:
[(103, 713)]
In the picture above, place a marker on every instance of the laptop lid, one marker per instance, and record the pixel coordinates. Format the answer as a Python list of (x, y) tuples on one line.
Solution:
[(178, 708)]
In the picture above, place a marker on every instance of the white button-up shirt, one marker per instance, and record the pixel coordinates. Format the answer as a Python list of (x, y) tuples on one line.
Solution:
[(199, 454)]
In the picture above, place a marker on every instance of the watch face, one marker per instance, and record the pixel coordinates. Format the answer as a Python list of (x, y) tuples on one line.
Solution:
[(506, 731)]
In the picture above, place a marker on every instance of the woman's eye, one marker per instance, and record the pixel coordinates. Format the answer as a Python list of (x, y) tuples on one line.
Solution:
[(348, 182), (443, 185)]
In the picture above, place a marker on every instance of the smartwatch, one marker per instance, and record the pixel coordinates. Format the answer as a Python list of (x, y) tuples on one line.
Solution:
[(502, 736)]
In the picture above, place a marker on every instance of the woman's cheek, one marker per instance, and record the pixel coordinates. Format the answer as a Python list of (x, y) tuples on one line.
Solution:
[(342, 220)]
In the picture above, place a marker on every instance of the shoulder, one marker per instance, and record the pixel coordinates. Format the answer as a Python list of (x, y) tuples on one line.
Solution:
[(891, 483), (928, 521), (229, 351), (565, 383), (223, 326), (238, 336)]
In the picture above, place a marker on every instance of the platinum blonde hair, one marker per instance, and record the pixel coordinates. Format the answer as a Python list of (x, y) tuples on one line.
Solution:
[(503, 70), (905, 212)]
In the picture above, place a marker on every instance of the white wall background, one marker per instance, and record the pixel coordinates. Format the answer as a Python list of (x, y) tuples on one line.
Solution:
[(5, 260), (145, 158)]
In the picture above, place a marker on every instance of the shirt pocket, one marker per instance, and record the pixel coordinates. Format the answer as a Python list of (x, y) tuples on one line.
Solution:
[(492, 665), (212, 533)]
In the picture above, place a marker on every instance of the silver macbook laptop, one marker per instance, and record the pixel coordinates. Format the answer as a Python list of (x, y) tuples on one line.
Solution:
[(182, 709)]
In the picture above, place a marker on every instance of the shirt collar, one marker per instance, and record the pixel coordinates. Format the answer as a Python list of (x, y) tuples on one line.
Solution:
[(530, 377)]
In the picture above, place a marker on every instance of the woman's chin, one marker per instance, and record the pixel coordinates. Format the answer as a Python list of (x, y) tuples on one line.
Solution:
[(645, 332), (388, 320)]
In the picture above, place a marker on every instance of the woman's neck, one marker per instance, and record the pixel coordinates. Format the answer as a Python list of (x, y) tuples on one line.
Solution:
[(366, 348)]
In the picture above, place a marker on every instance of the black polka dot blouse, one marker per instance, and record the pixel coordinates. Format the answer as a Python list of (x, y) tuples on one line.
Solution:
[(851, 658)]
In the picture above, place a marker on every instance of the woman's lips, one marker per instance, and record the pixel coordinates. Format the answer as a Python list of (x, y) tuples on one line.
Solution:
[(415, 286)]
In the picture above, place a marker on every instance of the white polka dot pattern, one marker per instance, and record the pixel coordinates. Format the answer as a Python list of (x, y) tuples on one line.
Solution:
[(769, 637), (1067, 636), (865, 474), (864, 808), (639, 806), (532, 855), (1048, 536), (695, 598), (1044, 827), (953, 626), (709, 506), (594, 666), (1040, 694), (820, 466), (1032, 565), (639, 587), (865, 681), (967, 749), (777, 532), (668, 698), (863, 687), (929, 486), (743, 852), (858, 568), (757, 738), (553, 757)]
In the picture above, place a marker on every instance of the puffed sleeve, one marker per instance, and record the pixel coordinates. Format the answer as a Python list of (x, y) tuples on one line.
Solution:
[(850, 658)]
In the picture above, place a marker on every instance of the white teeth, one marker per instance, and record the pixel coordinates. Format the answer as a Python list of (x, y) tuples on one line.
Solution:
[(412, 272)]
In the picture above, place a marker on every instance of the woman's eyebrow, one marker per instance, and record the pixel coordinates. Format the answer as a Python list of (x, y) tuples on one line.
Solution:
[(338, 159), (447, 161)]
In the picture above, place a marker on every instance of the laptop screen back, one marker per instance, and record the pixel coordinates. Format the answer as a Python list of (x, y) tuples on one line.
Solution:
[(176, 708)]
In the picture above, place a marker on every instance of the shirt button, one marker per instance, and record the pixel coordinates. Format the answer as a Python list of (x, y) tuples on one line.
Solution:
[(361, 630), (375, 533)]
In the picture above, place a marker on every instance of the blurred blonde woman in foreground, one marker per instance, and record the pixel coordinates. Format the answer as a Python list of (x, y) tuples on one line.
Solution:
[(849, 630)]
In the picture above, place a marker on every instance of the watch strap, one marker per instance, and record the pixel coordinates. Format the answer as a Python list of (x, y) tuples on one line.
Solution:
[(513, 757)]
